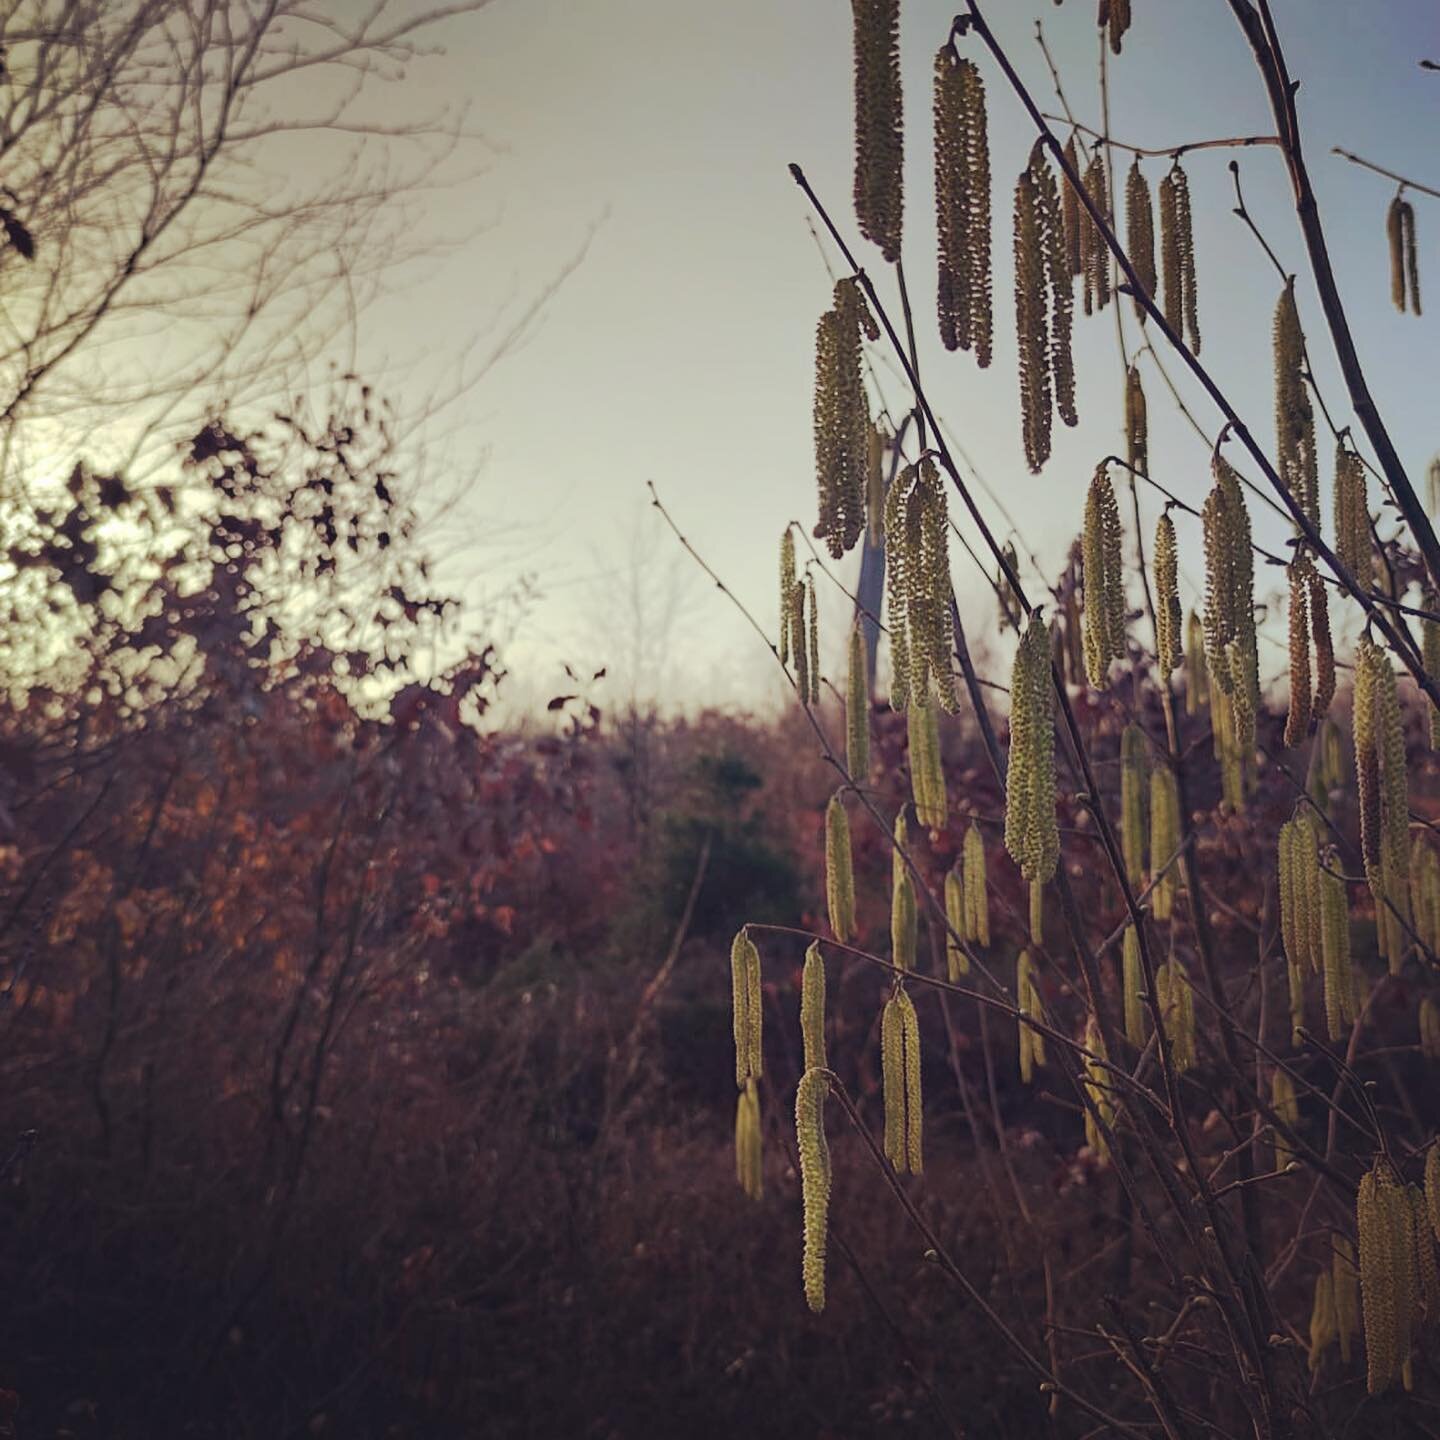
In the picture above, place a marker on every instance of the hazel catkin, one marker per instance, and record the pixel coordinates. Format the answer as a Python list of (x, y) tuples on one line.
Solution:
[(977, 895), (857, 708), (839, 871), (900, 1074), (1031, 832), (812, 1008), (1169, 640), (1404, 267), (962, 205), (814, 1155), (748, 1011), (1177, 257), (749, 1154), (917, 577), (879, 124), (1104, 574), (1140, 233)]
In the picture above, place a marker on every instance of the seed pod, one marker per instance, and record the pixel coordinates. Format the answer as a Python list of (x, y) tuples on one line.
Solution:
[(957, 962), (1134, 784), (1322, 1318), (843, 429), (1351, 513), (900, 1066), (1167, 597), (1404, 269), (1095, 252), (1430, 1028), (839, 871), (1177, 256), (748, 1008), (787, 592), (1430, 642), (977, 897), (1031, 834), (1140, 233), (1133, 977), (927, 774), (814, 1180), (1104, 573), (1297, 723), (1197, 677), (857, 709), (903, 916), (1346, 1291), (749, 1163), (1137, 429), (812, 1008), (917, 572), (1095, 1080), (962, 205), (1294, 414), (1287, 1108), (1027, 1001), (879, 129), (1387, 1273), (1164, 840), (1339, 979)]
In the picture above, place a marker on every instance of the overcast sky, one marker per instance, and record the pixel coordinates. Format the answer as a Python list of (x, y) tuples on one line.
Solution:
[(654, 137)]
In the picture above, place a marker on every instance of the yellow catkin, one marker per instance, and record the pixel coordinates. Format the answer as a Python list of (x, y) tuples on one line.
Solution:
[(814, 1154), (1133, 977), (1177, 1010), (1140, 232), (1404, 265), (812, 636), (1323, 642), (957, 962), (914, 1108), (903, 915), (1346, 1292), (1095, 252), (917, 578), (962, 205), (1322, 1318), (812, 1007), (1095, 1078), (1297, 722), (879, 124), (1294, 414), (1031, 832), (900, 1073), (800, 641), (977, 894), (1177, 256), (1169, 639), (1197, 677), (1287, 1107), (841, 416), (1164, 840), (1383, 795), (749, 1150), (1134, 785), (1430, 652), (748, 1008), (1432, 1188), (1027, 1000), (877, 443), (857, 708), (1137, 423), (839, 871), (927, 773), (1427, 1273), (787, 592), (1104, 573), (1351, 513), (1037, 913), (1430, 1028), (1388, 1279)]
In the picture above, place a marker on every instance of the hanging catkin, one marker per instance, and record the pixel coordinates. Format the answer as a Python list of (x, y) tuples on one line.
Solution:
[(1042, 308), (1115, 21), (1427, 1273), (1177, 256), (1404, 269), (957, 962), (1134, 786), (1382, 787), (1231, 659), (857, 708), (877, 442), (1027, 1001), (1095, 1079), (1294, 414), (962, 205), (1164, 840), (787, 592), (1335, 944), (1095, 253), (842, 423), (749, 1152), (748, 1008), (800, 640), (903, 915), (1301, 925), (812, 636), (927, 774), (814, 1180), (1352, 513), (1387, 1273), (1104, 572), (1133, 979), (1168, 638), (1031, 833), (1177, 1010), (1137, 428), (917, 577), (1037, 912), (1140, 233), (1072, 218), (1197, 675), (812, 1008), (879, 129), (1297, 721), (900, 1073), (839, 871), (1432, 1188), (977, 895), (1430, 654), (1319, 608), (1287, 1108)]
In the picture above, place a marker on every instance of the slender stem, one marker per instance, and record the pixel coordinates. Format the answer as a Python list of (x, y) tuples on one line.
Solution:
[(1405, 182), (1171, 151)]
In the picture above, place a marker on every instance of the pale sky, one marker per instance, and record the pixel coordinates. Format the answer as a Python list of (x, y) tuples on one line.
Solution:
[(679, 349)]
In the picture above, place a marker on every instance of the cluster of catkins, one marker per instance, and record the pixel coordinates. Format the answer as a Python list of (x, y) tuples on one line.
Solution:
[(799, 624)]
